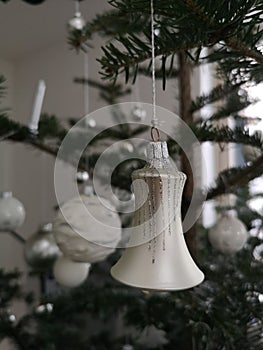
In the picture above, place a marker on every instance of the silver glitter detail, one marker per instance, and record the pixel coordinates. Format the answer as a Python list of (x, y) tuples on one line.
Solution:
[(157, 150)]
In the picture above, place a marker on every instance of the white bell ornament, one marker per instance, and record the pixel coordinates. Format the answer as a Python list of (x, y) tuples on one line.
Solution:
[(157, 257)]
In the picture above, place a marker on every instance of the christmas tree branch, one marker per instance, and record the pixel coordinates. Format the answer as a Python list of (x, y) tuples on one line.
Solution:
[(231, 179), (224, 134), (231, 41)]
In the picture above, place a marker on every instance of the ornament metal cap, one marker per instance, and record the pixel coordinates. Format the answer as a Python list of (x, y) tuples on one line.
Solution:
[(157, 150)]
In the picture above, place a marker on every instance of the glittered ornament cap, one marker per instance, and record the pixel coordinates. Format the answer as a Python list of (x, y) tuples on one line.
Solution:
[(157, 150)]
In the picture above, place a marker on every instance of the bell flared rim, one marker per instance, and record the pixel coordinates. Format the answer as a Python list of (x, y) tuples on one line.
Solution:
[(160, 287)]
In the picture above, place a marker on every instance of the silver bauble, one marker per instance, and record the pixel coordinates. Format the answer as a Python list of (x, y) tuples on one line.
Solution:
[(86, 230), (12, 212), (41, 249), (44, 308)]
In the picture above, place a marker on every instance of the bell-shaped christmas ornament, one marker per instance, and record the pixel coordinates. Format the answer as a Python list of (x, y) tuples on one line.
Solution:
[(157, 257)]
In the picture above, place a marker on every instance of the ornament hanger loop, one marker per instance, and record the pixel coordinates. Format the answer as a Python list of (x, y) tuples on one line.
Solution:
[(157, 136)]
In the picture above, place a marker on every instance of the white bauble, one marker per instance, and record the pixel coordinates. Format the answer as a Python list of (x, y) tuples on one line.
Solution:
[(41, 249), (77, 22), (228, 235), (138, 113), (152, 336), (12, 212), (90, 231), (69, 273)]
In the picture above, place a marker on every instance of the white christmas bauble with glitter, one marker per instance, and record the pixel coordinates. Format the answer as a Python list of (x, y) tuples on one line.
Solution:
[(69, 273), (12, 212), (87, 230), (228, 235)]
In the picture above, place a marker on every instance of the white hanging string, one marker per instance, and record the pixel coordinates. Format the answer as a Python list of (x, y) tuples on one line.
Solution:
[(76, 6), (154, 118), (86, 104), (86, 85)]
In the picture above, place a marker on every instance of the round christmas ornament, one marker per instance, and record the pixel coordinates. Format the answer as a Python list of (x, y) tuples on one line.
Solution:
[(44, 308), (69, 273), (138, 113), (12, 212), (228, 235), (77, 22), (41, 249), (92, 230)]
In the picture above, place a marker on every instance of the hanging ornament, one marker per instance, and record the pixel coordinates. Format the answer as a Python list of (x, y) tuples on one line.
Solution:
[(41, 249), (138, 113), (91, 232), (91, 123), (229, 234), (77, 22), (126, 147), (157, 257), (12, 212), (152, 337), (44, 308), (127, 347), (69, 273), (82, 176), (258, 252)]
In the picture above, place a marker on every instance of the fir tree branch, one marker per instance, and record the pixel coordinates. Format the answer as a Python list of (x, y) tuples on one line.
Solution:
[(231, 41), (231, 179), (217, 93), (174, 26), (108, 92), (224, 134), (242, 48)]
